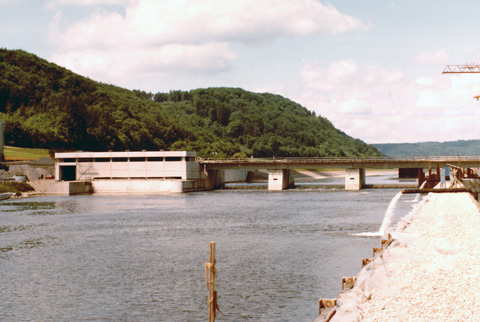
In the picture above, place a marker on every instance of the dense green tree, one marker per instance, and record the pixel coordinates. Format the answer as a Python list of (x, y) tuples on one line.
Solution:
[(44, 105)]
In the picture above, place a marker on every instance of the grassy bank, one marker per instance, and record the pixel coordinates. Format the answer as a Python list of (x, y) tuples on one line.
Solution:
[(13, 153), (17, 187)]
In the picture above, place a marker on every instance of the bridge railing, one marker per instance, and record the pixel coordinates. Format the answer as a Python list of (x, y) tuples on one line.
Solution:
[(342, 160)]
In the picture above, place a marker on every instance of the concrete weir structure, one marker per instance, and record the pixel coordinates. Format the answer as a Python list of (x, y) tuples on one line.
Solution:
[(139, 171), (182, 171), (279, 169)]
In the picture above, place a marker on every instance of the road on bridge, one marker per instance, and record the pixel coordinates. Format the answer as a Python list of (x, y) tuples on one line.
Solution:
[(341, 163)]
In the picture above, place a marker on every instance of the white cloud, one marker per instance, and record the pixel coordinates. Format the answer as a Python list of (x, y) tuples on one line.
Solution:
[(132, 63), (354, 106), (438, 58), (162, 22), (357, 100), (181, 35), (428, 99), (425, 81), (88, 2), (384, 106), (8, 2), (103, 29), (374, 75), (325, 79)]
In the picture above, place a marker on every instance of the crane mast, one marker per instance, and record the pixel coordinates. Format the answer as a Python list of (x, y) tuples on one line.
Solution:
[(469, 68)]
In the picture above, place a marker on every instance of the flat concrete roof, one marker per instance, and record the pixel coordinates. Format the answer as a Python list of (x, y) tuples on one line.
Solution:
[(123, 154)]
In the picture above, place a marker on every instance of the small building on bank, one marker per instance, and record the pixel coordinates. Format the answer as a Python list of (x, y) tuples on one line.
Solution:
[(71, 166), (131, 171)]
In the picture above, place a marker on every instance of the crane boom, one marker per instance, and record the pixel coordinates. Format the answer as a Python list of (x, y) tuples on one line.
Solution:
[(467, 68)]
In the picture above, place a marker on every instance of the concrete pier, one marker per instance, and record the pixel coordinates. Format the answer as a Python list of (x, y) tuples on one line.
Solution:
[(354, 178), (214, 179), (428, 273), (280, 179)]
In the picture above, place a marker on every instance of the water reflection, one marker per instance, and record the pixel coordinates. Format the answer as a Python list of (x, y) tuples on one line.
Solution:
[(23, 206), (12, 228), (6, 249)]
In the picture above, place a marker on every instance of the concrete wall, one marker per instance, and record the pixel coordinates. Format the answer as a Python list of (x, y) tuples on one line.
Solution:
[(146, 186), (116, 186), (142, 186), (151, 169), (236, 175), (63, 187), (79, 187)]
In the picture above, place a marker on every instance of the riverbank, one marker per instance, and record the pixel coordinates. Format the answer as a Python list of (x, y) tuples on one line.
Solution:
[(16, 187), (430, 271)]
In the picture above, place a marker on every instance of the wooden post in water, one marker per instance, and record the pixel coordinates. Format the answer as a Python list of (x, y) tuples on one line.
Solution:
[(210, 276)]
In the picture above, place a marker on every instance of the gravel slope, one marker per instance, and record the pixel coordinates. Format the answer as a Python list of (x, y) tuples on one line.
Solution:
[(430, 273)]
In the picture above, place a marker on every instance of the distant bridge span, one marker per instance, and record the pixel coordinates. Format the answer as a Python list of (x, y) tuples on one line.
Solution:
[(281, 169), (339, 163)]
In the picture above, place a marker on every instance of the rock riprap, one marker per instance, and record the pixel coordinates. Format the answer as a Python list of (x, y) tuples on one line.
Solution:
[(429, 273)]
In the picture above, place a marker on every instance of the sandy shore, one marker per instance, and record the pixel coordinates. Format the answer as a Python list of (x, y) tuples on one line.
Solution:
[(430, 272)]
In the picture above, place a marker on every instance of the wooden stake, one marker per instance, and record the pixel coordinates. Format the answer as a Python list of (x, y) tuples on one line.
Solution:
[(348, 282), (210, 276)]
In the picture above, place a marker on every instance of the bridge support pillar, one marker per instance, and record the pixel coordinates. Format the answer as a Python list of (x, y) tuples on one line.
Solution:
[(280, 179), (215, 179), (354, 179)]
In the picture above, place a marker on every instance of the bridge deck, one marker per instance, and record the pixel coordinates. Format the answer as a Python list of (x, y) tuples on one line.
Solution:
[(338, 163)]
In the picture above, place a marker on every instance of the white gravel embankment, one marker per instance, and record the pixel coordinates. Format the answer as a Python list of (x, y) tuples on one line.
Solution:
[(430, 273)]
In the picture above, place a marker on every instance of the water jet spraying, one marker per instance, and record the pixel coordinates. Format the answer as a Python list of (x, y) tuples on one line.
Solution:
[(387, 220)]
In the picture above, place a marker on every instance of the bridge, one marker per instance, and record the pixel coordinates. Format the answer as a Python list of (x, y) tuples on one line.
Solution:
[(280, 170)]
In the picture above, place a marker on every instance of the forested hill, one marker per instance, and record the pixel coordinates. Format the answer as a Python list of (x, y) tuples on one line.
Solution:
[(452, 148), (47, 106)]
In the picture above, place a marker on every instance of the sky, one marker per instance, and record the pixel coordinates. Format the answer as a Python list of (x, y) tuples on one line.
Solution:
[(373, 68)]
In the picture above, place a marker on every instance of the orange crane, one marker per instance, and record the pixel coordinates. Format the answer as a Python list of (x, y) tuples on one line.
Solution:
[(467, 68)]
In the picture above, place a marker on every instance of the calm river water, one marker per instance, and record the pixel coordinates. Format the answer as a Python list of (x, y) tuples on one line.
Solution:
[(142, 257)]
